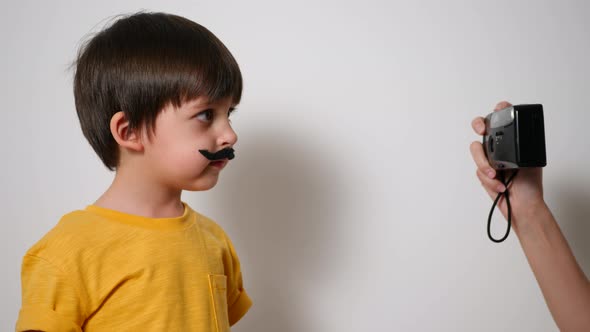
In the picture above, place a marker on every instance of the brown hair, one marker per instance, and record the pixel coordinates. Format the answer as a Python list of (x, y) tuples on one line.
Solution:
[(141, 63)]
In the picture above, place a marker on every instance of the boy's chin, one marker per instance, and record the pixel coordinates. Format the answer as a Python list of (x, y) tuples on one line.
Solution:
[(202, 184)]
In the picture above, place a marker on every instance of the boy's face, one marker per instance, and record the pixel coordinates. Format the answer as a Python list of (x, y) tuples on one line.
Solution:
[(172, 150)]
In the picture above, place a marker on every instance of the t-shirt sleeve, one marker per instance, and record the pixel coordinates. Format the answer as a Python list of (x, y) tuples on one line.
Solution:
[(50, 302), (238, 300)]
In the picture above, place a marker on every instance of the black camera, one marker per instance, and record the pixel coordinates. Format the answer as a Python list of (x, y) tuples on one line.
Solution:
[(515, 137)]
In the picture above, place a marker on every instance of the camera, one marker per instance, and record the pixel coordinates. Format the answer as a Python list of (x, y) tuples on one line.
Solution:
[(515, 137)]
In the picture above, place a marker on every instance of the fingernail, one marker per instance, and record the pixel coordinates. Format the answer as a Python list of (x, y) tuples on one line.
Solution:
[(491, 173), (501, 188)]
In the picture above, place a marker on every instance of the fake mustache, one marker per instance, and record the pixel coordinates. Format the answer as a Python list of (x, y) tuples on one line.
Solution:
[(227, 153)]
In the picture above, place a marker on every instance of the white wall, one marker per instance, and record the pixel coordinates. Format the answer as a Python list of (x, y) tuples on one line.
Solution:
[(353, 200)]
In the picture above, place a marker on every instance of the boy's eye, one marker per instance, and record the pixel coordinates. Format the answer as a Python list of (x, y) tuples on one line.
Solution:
[(205, 116)]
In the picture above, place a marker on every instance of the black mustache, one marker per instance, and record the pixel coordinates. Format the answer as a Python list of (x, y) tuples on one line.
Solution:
[(227, 153)]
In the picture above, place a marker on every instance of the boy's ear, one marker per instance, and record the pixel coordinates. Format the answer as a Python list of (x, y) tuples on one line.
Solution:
[(123, 134)]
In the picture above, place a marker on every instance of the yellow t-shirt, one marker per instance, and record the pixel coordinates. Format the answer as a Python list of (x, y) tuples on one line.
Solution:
[(103, 270)]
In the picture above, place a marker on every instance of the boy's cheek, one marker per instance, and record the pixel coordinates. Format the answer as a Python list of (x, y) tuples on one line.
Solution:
[(189, 160), (182, 149)]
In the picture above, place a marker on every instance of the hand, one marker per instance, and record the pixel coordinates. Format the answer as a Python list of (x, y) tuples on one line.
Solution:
[(525, 190)]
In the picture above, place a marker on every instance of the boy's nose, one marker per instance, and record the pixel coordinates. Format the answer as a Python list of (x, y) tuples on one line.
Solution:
[(228, 137)]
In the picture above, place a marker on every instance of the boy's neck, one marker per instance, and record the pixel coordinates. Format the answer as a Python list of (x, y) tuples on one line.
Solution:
[(131, 192)]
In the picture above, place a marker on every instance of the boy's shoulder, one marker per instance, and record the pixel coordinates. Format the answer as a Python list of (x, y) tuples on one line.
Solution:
[(81, 233), (74, 229), (210, 226)]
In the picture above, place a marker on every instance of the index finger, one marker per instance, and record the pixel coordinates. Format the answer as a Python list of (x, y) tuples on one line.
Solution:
[(478, 124), (502, 105), (481, 161)]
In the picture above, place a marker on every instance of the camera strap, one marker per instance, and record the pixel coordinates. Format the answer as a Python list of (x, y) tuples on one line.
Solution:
[(502, 178)]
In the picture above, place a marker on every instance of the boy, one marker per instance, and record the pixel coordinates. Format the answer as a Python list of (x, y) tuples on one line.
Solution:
[(153, 94), (564, 285)]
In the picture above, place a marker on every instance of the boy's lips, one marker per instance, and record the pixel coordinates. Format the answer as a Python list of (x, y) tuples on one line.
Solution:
[(219, 163)]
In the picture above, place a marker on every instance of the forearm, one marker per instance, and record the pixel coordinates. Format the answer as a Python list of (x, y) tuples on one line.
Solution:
[(565, 287)]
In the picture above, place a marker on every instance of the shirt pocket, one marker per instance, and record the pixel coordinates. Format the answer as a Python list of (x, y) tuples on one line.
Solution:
[(218, 290)]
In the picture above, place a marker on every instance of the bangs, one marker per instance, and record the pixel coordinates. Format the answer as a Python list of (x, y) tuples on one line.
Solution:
[(216, 77)]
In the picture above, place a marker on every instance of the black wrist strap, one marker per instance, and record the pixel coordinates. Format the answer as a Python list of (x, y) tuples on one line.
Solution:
[(507, 196)]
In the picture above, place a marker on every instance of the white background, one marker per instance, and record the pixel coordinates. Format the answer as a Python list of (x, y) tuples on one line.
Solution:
[(353, 201)]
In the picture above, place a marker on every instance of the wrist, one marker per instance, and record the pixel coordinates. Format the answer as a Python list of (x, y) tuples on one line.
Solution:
[(534, 209), (532, 219)]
